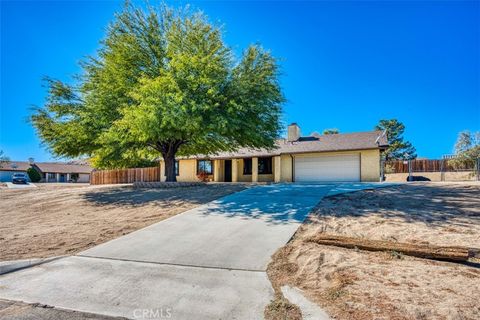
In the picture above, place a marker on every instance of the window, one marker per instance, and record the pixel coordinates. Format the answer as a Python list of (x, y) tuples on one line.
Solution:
[(265, 165), (205, 166), (177, 168), (247, 166)]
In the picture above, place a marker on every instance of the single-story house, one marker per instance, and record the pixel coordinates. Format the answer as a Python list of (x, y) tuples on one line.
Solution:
[(49, 171), (11, 167), (314, 158), (63, 172)]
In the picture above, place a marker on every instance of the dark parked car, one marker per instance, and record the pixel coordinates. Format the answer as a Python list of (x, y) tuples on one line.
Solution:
[(19, 178)]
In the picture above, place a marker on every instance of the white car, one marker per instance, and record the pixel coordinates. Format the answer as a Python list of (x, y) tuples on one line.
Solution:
[(19, 178)]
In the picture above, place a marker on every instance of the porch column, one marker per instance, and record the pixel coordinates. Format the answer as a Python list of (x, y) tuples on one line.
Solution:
[(46, 176), (57, 177), (68, 177), (234, 170), (254, 169), (277, 171), (217, 170)]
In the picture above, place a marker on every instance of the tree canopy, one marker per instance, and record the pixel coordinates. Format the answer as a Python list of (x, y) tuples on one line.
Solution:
[(331, 131), (398, 148), (163, 82), (4, 160), (467, 149)]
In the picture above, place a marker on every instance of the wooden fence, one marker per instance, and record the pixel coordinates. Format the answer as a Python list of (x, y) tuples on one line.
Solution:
[(125, 175), (443, 165)]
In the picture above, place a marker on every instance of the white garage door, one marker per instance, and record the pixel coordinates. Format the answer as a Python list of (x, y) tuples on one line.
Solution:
[(327, 168)]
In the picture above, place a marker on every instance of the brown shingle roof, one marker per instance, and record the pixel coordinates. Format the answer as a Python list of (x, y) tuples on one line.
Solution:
[(55, 167), (322, 143), (15, 166)]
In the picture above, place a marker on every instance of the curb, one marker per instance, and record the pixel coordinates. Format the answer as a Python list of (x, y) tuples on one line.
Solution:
[(14, 265)]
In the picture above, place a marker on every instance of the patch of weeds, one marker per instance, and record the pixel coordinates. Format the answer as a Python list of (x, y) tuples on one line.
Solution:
[(335, 293), (397, 255), (340, 280), (282, 309)]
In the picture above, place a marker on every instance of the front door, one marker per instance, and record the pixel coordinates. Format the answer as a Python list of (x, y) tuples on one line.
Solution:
[(228, 171)]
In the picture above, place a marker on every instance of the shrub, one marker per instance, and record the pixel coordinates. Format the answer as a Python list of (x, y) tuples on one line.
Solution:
[(34, 175), (202, 176), (74, 177), (389, 168)]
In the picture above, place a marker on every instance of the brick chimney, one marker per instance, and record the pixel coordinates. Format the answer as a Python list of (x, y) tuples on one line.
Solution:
[(293, 133)]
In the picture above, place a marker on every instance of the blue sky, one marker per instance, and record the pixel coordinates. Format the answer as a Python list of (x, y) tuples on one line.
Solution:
[(345, 64)]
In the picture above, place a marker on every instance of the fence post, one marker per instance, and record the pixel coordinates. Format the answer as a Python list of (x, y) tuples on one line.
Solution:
[(409, 170), (442, 170)]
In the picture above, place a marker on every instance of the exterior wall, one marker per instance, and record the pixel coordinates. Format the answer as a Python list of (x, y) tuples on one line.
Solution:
[(369, 163), (241, 176), (369, 167), (286, 168), (219, 170), (433, 176), (187, 171), (248, 177)]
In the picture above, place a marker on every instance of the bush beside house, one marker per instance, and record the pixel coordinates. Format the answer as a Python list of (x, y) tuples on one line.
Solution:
[(34, 175)]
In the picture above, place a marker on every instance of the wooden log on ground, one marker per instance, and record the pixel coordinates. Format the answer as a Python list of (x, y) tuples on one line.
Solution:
[(416, 250)]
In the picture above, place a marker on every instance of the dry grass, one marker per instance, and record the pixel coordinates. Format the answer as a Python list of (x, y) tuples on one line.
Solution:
[(354, 284), (55, 220)]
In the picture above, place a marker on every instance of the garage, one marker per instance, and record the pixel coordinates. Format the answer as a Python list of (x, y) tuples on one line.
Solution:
[(327, 168)]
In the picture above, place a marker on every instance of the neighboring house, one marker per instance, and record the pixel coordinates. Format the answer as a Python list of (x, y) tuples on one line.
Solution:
[(11, 167), (316, 158), (50, 171), (63, 172)]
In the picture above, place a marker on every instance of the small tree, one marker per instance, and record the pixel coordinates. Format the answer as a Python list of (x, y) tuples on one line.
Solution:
[(33, 175), (398, 148), (164, 83), (331, 131), (4, 160), (467, 150)]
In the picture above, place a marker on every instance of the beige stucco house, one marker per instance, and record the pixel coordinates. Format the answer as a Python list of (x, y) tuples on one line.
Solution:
[(314, 158)]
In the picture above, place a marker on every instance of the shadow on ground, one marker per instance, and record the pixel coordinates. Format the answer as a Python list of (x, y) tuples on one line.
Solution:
[(132, 197), (433, 204)]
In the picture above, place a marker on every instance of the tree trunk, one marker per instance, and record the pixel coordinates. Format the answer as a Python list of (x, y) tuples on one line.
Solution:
[(169, 159), (169, 150)]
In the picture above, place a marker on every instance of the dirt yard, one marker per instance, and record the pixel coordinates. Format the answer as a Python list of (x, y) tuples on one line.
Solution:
[(355, 284), (55, 220)]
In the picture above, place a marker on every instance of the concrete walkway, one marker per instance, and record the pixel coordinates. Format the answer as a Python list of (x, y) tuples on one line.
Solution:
[(206, 263)]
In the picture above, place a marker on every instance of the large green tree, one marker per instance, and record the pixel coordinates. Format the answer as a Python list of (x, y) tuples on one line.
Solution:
[(162, 83), (398, 148)]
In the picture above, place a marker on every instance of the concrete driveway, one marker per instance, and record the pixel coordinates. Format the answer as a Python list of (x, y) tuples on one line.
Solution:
[(20, 186), (206, 263)]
